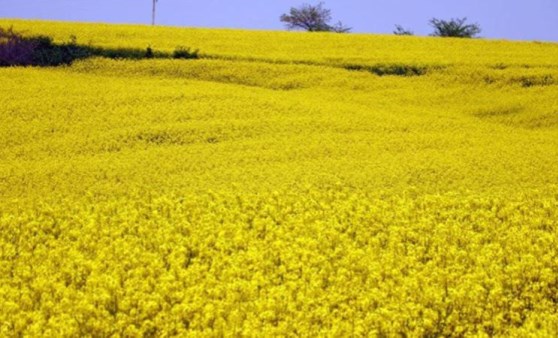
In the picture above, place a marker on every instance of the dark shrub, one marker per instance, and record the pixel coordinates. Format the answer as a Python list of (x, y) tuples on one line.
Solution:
[(391, 69), (399, 30), (16, 50), (149, 53), (185, 53), (120, 53)]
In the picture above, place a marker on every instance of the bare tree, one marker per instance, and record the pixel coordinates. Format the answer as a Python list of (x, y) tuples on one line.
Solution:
[(339, 28), (312, 19), (454, 28)]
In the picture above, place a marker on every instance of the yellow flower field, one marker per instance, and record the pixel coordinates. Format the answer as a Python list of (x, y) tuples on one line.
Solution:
[(277, 187)]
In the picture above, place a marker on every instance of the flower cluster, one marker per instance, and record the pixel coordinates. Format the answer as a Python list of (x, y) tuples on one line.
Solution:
[(326, 261)]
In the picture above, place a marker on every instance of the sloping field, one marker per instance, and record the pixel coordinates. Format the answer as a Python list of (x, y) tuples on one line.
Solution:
[(283, 184)]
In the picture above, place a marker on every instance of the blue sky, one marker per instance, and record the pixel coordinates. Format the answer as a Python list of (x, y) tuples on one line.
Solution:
[(501, 19)]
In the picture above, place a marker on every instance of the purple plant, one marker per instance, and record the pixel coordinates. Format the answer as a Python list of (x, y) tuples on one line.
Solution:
[(15, 50)]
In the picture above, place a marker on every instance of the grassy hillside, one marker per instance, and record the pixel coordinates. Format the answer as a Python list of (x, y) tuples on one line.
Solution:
[(283, 184)]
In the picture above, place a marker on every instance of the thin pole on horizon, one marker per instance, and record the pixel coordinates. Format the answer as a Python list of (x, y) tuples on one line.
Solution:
[(153, 13)]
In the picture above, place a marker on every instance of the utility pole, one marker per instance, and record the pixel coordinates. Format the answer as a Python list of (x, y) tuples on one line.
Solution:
[(153, 13)]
